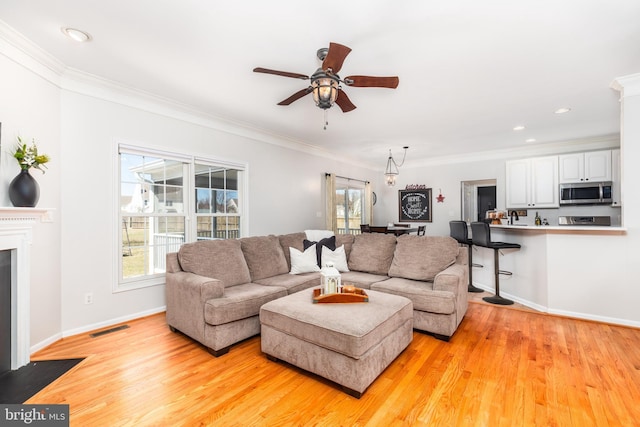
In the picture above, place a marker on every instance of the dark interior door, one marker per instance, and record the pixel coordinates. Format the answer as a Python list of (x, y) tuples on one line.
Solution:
[(5, 311), (486, 200)]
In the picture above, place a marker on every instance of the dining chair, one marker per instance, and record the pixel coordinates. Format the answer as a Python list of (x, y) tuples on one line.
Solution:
[(365, 228), (422, 229)]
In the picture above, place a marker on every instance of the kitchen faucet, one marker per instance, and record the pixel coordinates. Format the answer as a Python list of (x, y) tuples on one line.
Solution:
[(511, 217)]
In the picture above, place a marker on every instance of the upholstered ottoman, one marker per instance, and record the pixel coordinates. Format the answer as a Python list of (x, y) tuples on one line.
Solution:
[(349, 344)]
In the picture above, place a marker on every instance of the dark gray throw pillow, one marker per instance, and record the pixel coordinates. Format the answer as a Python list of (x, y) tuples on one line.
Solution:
[(329, 242)]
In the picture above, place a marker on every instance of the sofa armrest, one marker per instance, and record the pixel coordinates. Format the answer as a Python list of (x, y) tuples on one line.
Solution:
[(172, 263), (463, 256), (186, 294), (452, 279), (198, 288)]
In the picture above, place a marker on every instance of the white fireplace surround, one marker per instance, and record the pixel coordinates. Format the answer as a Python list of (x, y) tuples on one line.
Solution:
[(16, 225)]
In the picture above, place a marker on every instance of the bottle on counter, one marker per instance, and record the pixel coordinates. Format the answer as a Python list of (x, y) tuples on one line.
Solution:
[(538, 220)]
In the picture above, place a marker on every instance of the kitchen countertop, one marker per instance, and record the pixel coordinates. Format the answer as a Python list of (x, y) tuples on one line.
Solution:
[(563, 229)]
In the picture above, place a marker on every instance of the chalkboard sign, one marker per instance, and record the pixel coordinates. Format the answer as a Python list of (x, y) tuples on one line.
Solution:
[(415, 205)]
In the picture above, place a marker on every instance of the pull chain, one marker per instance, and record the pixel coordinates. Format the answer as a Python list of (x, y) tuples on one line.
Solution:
[(326, 120)]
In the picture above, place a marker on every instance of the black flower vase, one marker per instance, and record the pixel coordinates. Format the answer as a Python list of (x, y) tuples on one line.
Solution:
[(24, 190)]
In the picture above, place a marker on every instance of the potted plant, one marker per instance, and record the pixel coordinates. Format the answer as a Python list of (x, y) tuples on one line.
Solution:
[(24, 190)]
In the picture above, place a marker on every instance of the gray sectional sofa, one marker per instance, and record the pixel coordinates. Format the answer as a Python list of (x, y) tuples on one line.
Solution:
[(215, 288)]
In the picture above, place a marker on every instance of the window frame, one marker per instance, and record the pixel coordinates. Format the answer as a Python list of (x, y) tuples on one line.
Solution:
[(350, 184), (120, 284)]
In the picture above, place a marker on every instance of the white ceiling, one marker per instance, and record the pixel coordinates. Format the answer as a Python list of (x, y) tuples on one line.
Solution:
[(469, 70)]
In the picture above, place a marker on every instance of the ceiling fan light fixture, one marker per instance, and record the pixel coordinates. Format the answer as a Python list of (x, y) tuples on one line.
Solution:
[(325, 91)]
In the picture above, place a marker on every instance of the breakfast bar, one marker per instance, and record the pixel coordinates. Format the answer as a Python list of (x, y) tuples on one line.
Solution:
[(547, 264)]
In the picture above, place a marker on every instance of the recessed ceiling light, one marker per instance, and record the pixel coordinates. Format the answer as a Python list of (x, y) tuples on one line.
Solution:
[(531, 140), (76, 35), (519, 127), (562, 110)]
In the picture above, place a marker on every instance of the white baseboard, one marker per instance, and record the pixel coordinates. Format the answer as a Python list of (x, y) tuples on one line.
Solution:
[(565, 313), (45, 343), (601, 319), (88, 328)]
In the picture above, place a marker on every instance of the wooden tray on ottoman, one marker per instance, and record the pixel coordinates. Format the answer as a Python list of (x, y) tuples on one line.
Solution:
[(357, 295)]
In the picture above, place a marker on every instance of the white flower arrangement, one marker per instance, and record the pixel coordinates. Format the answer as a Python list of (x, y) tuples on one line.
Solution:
[(28, 157)]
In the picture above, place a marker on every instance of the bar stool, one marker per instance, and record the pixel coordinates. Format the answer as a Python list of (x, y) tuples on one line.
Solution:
[(459, 231), (481, 236)]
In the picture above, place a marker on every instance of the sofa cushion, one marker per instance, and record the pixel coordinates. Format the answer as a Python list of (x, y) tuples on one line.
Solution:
[(345, 240), (292, 282), (361, 280), (372, 253), (329, 242), (422, 257), (292, 240), (218, 259), (264, 256), (303, 262), (240, 302), (422, 295)]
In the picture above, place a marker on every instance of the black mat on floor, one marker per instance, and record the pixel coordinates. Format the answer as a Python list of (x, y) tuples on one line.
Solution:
[(19, 385)]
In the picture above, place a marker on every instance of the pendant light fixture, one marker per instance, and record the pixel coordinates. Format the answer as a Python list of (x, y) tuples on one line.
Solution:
[(392, 168)]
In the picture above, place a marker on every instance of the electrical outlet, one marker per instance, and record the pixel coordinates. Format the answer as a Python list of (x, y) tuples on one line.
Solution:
[(88, 298)]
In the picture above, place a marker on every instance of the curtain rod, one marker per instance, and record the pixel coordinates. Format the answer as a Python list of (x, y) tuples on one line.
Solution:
[(347, 178)]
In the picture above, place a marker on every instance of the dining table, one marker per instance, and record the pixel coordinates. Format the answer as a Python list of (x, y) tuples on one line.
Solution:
[(397, 230)]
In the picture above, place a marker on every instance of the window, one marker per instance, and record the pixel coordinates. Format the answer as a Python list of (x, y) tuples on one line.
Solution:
[(167, 199), (351, 204), (217, 203)]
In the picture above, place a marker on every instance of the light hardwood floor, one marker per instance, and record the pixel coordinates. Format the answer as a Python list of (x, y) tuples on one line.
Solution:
[(503, 367)]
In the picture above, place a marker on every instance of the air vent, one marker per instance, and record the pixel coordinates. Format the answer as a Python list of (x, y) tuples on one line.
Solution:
[(108, 331)]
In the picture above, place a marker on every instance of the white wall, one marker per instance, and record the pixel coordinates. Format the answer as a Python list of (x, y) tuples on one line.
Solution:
[(30, 108), (285, 195), (445, 177)]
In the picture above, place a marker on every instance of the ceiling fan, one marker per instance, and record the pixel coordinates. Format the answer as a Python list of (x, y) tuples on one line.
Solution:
[(325, 81)]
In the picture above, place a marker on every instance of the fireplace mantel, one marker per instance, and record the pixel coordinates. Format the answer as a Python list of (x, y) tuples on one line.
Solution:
[(9, 214), (16, 228)]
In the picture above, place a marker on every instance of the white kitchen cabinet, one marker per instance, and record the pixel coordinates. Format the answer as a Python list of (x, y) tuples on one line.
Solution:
[(616, 178), (532, 183), (582, 167)]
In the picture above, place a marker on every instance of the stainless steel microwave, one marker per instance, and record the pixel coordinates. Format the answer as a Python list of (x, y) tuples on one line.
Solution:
[(586, 193)]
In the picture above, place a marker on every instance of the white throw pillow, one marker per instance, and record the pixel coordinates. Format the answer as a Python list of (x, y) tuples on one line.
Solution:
[(338, 258), (303, 262), (317, 235)]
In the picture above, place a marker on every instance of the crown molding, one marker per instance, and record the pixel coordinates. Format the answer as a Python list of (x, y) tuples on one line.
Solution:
[(627, 85), (24, 52), (602, 142), (87, 84)]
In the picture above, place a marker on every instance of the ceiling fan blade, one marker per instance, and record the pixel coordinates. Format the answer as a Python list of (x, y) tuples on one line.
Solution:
[(335, 57), (344, 102), (299, 94), (369, 81), (280, 73)]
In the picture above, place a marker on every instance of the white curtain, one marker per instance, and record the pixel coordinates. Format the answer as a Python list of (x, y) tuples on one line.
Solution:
[(368, 208), (330, 214)]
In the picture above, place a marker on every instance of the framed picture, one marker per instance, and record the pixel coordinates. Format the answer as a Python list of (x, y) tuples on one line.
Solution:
[(415, 205)]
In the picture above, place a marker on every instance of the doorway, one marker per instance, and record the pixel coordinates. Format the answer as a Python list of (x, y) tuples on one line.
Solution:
[(478, 197)]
